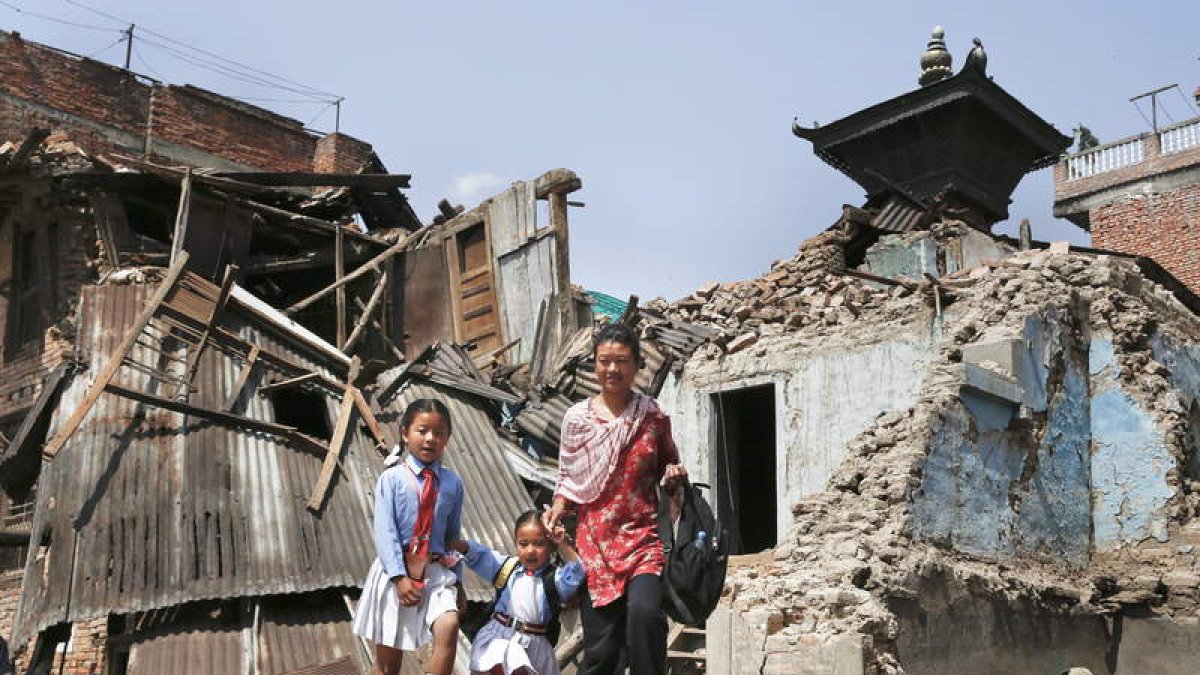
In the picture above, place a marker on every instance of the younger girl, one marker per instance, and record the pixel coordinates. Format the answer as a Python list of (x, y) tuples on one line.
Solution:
[(411, 595), (513, 641)]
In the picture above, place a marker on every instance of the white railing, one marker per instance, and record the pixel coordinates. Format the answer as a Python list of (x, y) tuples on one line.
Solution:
[(1105, 158), (1179, 137)]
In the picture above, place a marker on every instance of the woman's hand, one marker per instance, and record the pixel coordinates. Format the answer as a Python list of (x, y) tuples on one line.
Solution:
[(674, 475), (458, 545), (409, 591), (552, 518), (460, 598)]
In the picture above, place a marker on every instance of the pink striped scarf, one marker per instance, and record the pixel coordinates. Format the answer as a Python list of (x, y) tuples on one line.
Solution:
[(590, 446)]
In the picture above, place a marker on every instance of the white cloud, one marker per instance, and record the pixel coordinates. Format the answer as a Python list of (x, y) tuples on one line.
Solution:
[(469, 189)]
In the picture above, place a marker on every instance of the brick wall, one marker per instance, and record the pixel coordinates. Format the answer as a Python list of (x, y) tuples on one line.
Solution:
[(1153, 163), (86, 650), (105, 108), (1164, 226)]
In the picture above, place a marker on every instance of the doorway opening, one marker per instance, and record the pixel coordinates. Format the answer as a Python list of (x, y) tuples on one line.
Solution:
[(745, 466)]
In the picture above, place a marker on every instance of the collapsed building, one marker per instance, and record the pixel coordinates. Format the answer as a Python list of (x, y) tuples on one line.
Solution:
[(936, 449)]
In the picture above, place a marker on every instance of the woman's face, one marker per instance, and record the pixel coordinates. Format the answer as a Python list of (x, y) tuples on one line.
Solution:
[(616, 367)]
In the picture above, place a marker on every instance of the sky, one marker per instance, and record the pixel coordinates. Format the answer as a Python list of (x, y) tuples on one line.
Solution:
[(676, 115)]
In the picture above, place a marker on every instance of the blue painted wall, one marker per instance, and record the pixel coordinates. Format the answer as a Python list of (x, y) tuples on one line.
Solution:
[(1129, 460), (984, 493)]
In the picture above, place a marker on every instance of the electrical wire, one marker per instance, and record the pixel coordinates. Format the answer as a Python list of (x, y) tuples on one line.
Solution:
[(137, 53), (308, 90), (101, 51), (46, 17), (226, 71)]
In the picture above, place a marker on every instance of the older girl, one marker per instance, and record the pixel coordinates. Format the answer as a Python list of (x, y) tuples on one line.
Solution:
[(411, 595)]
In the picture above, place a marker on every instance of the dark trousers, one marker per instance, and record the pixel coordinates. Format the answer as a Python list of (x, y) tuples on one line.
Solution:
[(634, 627)]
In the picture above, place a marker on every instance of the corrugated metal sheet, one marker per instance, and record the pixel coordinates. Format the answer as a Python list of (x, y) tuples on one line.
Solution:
[(542, 419), (147, 508), (606, 305), (201, 649), (299, 632), (479, 454)]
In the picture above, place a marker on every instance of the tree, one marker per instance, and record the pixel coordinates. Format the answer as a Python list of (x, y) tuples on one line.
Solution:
[(1084, 138)]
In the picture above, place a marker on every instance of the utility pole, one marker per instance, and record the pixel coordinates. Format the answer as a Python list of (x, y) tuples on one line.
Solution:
[(128, 44), (337, 118)]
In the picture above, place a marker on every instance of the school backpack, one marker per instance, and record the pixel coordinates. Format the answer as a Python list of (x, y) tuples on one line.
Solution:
[(697, 553), (554, 625)]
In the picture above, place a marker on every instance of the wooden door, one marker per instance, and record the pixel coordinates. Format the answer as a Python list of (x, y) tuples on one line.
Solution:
[(476, 317)]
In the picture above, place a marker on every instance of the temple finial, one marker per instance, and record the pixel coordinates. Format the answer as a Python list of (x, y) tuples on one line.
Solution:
[(935, 62)]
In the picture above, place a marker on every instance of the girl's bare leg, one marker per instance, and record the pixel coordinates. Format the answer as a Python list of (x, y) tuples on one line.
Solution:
[(387, 660), (445, 642)]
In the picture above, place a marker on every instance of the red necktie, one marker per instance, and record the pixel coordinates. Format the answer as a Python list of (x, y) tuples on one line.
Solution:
[(424, 525)]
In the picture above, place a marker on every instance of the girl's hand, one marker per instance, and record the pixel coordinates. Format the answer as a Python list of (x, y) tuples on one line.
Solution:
[(409, 591)]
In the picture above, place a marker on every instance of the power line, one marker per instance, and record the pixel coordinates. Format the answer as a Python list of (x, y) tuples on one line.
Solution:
[(227, 72), (312, 91), (47, 17), (101, 51)]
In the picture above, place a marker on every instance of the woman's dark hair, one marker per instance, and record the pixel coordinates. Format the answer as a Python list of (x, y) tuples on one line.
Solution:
[(425, 405), (622, 334), (530, 516)]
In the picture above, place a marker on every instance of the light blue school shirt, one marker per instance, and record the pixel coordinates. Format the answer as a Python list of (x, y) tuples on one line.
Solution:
[(397, 498), (486, 563)]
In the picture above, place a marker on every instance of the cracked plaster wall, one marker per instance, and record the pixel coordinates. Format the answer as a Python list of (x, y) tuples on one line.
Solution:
[(1130, 460), (1004, 481), (823, 398)]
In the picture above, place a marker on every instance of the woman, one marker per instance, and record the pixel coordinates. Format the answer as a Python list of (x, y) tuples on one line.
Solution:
[(616, 449)]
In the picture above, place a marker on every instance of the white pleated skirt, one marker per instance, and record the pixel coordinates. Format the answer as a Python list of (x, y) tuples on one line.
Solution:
[(499, 645), (381, 618)]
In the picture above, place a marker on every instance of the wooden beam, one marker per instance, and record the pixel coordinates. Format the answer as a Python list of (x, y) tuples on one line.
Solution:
[(32, 140), (372, 264), (368, 415), (114, 363), (339, 271), (46, 396), (193, 361), (337, 443), (181, 214), (294, 263), (562, 261), (382, 333), (290, 382), (308, 222), (229, 419), (375, 182), (367, 312), (243, 377)]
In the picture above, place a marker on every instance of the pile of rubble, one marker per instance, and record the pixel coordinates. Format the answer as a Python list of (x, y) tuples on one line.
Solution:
[(852, 552)]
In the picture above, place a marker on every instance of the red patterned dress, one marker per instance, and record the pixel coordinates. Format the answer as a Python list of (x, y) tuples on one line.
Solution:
[(617, 533)]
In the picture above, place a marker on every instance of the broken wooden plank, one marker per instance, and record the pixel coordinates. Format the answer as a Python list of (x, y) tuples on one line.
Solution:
[(339, 271), (32, 140), (486, 359), (367, 313), (290, 382), (218, 307), (368, 415), (274, 264), (337, 443), (282, 430), (381, 332), (115, 359), (181, 214), (243, 377), (371, 265), (368, 181), (44, 402), (308, 222)]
